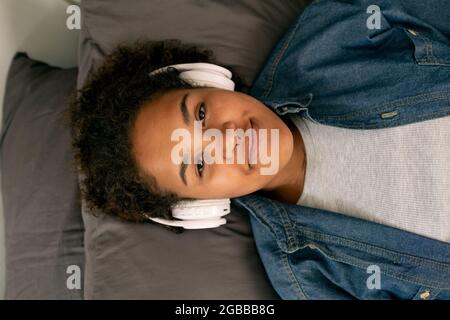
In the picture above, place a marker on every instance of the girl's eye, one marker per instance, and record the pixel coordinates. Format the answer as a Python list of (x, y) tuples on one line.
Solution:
[(200, 166), (201, 117), (201, 112)]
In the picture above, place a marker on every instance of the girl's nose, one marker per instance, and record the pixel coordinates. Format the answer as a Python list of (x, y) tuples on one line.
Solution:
[(230, 140)]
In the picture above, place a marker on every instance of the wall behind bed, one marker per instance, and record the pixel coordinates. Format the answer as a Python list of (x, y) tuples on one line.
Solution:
[(37, 27)]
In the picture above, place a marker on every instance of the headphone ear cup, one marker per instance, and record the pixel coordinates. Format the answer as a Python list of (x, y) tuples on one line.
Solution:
[(203, 74), (203, 66), (201, 209), (207, 78)]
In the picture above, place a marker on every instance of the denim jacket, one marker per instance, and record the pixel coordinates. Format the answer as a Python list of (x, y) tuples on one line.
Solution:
[(346, 64)]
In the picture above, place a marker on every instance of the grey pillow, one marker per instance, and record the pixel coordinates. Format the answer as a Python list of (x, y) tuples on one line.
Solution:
[(125, 260), (43, 223)]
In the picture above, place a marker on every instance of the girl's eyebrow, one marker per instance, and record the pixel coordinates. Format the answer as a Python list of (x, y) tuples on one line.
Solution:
[(183, 167), (186, 119), (184, 109)]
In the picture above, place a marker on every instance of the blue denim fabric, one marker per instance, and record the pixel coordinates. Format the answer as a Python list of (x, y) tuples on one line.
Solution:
[(316, 254), (330, 68)]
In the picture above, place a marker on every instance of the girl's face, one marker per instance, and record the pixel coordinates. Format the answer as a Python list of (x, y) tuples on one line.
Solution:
[(218, 109)]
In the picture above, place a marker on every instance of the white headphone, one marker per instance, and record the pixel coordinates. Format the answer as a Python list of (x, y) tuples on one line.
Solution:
[(202, 74), (200, 214)]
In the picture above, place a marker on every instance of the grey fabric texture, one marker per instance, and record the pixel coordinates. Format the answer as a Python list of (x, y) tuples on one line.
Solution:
[(132, 261), (394, 176), (43, 224)]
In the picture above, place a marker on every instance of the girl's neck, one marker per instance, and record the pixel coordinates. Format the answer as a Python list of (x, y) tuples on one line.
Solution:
[(287, 186)]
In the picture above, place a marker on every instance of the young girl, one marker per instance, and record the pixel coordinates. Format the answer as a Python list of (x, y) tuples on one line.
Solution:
[(372, 144), (123, 120)]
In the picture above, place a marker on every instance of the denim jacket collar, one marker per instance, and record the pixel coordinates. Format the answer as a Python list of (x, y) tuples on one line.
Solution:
[(285, 105)]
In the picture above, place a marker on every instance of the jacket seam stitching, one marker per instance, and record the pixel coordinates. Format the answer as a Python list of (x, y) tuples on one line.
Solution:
[(428, 116), (281, 54), (388, 271), (288, 269), (440, 95), (383, 253), (387, 253)]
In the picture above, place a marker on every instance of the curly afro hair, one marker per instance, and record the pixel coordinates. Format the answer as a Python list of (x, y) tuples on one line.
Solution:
[(102, 115)]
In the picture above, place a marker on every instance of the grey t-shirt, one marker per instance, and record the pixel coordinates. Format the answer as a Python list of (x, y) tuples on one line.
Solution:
[(396, 176)]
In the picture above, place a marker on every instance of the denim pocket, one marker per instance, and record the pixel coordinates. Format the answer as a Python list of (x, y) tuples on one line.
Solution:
[(434, 51)]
